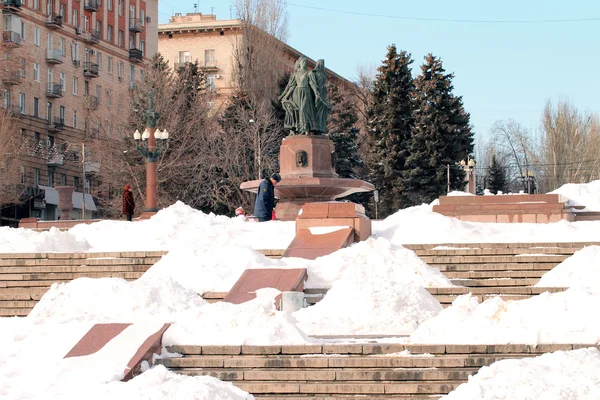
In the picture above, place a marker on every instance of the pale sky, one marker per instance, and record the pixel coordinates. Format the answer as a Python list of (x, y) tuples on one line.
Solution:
[(507, 61)]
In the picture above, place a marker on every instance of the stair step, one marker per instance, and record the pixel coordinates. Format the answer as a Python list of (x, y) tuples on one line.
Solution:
[(542, 266), (493, 259), (494, 282), (494, 274)]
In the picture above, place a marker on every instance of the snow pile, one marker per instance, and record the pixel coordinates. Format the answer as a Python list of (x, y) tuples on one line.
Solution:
[(585, 195), (379, 292), (566, 317), (554, 376), (29, 241), (580, 270)]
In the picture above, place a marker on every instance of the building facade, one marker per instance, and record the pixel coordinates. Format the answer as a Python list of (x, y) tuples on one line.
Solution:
[(68, 67), (201, 37)]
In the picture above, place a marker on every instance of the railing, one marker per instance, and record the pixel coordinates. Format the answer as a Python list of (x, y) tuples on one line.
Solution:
[(91, 5), (54, 21), (54, 90), (135, 25), (11, 78), (57, 125), (135, 55), (11, 38), (54, 56), (91, 36), (56, 160), (93, 102), (91, 167), (212, 64), (10, 5), (90, 69)]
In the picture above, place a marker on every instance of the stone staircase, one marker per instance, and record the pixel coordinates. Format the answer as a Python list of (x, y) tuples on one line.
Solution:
[(26, 277), (343, 371)]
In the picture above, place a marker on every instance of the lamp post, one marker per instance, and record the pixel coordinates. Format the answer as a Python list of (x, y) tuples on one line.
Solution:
[(527, 179), (146, 144)]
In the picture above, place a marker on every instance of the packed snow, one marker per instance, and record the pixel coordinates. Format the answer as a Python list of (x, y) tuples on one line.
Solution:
[(375, 287)]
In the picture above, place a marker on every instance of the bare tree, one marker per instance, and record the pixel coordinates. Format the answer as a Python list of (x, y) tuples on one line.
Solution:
[(258, 52), (11, 188), (569, 145)]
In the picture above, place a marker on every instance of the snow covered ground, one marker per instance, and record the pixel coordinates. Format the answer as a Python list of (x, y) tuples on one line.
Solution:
[(376, 287)]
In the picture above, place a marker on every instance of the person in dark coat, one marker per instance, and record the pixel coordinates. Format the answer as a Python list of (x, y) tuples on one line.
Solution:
[(128, 202), (265, 199)]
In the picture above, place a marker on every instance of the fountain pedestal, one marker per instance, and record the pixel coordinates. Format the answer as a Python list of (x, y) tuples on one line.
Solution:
[(307, 168)]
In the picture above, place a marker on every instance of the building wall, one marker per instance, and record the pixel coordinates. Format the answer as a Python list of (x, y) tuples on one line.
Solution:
[(86, 115)]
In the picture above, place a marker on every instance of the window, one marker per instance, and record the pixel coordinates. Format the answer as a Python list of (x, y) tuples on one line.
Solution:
[(22, 175), (74, 119), (50, 178), (121, 38), (63, 179), (143, 17), (121, 6), (50, 41), (131, 77), (109, 98), (62, 47), (22, 68), (36, 4), (49, 7), (109, 33), (184, 56), (120, 69), (99, 27), (143, 47), (131, 42), (98, 92), (75, 18), (86, 88), (99, 60), (50, 80), (36, 72), (75, 51), (131, 11), (22, 102), (86, 23), (36, 140), (209, 57), (61, 111), (63, 11), (110, 65), (76, 182), (50, 141), (63, 84), (210, 82), (88, 185), (36, 176), (6, 98), (75, 84), (110, 5), (36, 107), (23, 30), (36, 36)]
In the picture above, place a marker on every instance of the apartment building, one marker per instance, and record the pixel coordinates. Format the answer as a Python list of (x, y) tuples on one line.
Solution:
[(68, 67), (211, 42)]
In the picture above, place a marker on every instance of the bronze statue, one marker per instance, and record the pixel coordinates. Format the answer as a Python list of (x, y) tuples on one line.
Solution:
[(305, 100)]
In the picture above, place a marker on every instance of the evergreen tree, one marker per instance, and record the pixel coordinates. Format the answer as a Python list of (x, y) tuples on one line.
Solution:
[(442, 134), (496, 179), (389, 124), (343, 132)]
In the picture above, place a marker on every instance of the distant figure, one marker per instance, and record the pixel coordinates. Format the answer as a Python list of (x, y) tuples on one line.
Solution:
[(239, 212), (265, 199), (319, 86), (128, 202)]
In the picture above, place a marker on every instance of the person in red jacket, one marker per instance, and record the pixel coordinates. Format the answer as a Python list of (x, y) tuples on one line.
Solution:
[(128, 202)]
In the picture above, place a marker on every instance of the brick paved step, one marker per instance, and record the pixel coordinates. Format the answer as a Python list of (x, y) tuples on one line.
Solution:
[(541, 266), (433, 260), (83, 255), (429, 246), (494, 282), (75, 262), (337, 388), (497, 251), (494, 274), (69, 276), (72, 268), (347, 397)]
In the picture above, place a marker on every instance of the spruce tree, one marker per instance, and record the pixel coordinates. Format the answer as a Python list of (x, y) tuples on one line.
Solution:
[(496, 179), (389, 124), (442, 135), (343, 132)]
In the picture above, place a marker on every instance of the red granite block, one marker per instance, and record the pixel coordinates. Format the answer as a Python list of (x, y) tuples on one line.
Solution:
[(284, 280), (95, 339), (342, 210), (314, 210), (152, 345)]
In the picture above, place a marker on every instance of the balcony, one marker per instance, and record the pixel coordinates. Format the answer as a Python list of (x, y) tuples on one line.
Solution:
[(91, 167), (54, 21), (91, 5), (11, 39), (92, 102), (92, 37), (54, 90), (56, 160), (90, 70), (180, 64), (135, 25), (54, 56), (13, 111), (135, 55), (57, 125), (11, 78), (209, 66), (94, 133), (10, 6)]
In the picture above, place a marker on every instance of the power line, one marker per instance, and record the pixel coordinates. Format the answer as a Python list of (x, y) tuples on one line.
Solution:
[(472, 21)]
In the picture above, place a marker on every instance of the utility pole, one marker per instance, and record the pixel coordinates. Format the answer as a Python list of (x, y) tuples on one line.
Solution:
[(448, 177)]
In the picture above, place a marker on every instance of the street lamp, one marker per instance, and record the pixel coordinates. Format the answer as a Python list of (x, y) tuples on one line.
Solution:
[(146, 144), (528, 177)]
